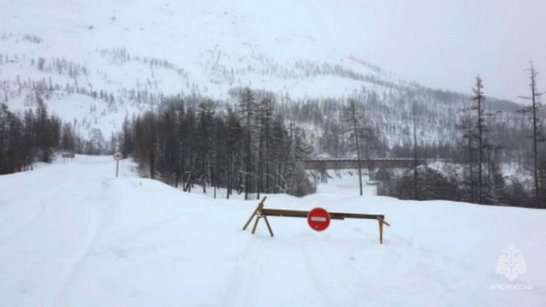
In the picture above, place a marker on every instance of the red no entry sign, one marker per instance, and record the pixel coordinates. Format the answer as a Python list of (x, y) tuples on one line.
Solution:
[(118, 156), (318, 219)]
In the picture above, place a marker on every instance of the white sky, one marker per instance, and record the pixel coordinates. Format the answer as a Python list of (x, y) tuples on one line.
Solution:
[(445, 44)]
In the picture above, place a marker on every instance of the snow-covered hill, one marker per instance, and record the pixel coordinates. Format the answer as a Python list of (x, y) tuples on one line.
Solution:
[(141, 51), (74, 235), (96, 63)]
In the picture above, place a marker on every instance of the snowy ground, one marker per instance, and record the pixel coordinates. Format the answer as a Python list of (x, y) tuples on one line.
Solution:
[(73, 235)]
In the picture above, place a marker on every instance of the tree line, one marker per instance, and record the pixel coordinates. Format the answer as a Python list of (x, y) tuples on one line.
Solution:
[(252, 149), (28, 139), (480, 179), (247, 150), (36, 136)]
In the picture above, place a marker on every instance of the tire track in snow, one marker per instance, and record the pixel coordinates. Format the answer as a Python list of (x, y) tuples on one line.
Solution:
[(95, 228), (332, 274), (245, 274), (24, 224), (121, 243), (52, 188), (319, 272)]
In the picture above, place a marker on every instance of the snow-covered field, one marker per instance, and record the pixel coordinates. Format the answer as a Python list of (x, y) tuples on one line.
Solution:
[(72, 234)]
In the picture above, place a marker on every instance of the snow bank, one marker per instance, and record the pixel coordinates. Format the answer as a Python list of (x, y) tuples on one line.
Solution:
[(73, 235)]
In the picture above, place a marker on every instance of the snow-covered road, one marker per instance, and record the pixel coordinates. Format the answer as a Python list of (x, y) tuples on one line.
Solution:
[(73, 235)]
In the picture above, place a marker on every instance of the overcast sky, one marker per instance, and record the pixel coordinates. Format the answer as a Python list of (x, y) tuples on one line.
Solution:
[(445, 44)]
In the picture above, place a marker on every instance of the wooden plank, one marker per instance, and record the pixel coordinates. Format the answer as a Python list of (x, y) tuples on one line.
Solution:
[(290, 213), (357, 215), (333, 215), (283, 212)]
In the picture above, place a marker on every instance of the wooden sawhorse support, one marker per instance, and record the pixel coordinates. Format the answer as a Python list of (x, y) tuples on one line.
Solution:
[(260, 212)]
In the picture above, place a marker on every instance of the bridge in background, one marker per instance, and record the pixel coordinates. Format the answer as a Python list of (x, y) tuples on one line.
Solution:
[(350, 163), (372, 165)]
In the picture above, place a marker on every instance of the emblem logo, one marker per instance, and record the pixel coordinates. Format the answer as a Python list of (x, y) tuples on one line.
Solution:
[(511, 263)]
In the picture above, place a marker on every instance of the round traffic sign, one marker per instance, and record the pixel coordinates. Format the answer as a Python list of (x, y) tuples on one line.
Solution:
[(118, 156), (318, 219)]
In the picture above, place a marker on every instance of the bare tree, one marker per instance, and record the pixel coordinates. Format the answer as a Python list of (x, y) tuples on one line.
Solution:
[(415, 156), (479, 98), (533, 109), (356, 131), (247, 106)]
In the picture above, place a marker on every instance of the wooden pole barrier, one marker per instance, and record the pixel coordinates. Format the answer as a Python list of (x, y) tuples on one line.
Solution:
[(258, 208), (260, 212)]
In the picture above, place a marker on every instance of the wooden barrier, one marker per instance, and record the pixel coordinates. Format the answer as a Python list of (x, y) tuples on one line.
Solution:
[(261, 212)]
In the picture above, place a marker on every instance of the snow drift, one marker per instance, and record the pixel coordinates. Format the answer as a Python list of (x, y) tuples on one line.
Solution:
[(74, 235)]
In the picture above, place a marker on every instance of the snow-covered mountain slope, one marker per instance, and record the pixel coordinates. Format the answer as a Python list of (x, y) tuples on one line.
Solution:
[(74, 235), (98, 62), (209, 47)]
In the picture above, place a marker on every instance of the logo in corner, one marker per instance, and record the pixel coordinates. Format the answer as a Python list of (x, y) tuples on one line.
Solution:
[(511, 263)]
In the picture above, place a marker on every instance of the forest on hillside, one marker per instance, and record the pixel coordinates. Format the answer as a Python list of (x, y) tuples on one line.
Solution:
[(255, 141)]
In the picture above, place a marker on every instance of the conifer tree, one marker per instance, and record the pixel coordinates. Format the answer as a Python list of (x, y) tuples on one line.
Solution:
[(534, 110)]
